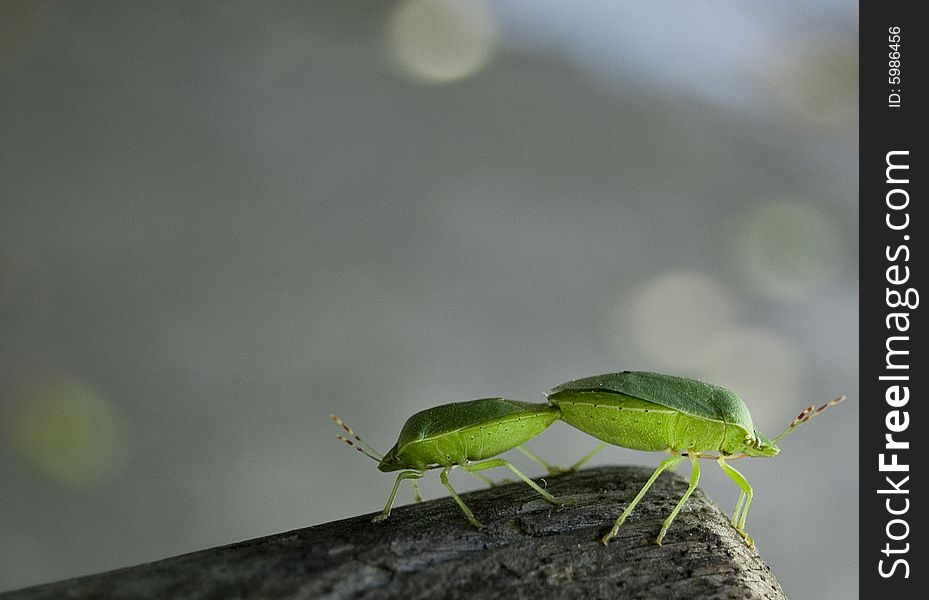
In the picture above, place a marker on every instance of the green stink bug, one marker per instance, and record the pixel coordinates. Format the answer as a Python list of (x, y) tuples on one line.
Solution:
[(686, 417), (454, 435)]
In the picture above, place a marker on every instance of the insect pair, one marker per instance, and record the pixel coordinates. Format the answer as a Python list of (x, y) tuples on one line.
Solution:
[(631, 409)]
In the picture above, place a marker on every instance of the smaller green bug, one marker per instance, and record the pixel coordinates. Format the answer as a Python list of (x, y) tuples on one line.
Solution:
[(685, 417), (457, 434)]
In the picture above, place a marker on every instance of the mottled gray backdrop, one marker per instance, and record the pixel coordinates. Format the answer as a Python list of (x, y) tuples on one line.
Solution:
[(222, 221)]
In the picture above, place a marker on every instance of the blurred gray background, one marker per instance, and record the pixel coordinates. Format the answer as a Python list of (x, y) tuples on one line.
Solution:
[(222, 221)]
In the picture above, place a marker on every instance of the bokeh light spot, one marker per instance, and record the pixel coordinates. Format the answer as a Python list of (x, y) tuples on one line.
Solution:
[(672, 317), (23, 24), (819, 86), (440, 41), (787, 250), (68, 432)]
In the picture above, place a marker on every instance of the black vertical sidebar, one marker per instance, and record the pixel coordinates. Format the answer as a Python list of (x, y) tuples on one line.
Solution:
[(893, 266)]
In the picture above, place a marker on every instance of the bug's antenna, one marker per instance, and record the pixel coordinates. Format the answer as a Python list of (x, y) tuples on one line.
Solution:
[(808, 413), (361, 446)]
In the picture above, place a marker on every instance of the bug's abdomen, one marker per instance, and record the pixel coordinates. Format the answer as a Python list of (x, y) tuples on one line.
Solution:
[(481, 440), (485, 441), (632, 423)]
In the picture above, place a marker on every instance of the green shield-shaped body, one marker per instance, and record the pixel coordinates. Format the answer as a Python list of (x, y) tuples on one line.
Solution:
[(654, 412), (467, 431)]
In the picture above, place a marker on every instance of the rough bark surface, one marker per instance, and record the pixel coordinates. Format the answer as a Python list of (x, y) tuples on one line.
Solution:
[(527, 549)]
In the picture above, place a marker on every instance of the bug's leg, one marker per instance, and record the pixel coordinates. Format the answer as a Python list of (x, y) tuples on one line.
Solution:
[(490, 482), (500, 462), (416, 494), (586, 457), (464, 507), (747, 492), (393, 494), (738, 509), (694, 480), (552, 469), (666, 463)]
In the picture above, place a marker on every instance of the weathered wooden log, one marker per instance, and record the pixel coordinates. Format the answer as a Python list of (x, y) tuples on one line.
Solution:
[(527, 549)]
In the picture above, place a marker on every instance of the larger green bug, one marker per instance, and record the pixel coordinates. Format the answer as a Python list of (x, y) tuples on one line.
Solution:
[(686, 417), (457, 434)]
